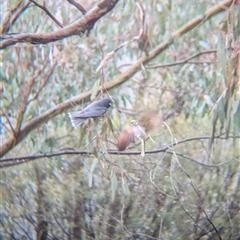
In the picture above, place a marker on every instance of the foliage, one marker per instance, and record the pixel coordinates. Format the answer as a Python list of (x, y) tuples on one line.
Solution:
[(186, 188)]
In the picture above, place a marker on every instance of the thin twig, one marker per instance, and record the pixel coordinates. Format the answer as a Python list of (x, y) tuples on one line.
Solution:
[(202, 207), (183, 61), (119, 221), (26, 93), (46, 77), (219, 99), (18, 223), (13, 15), (47, 12), (193, 160), (78, 6), (8, 120), (195, 223), (58, 223)]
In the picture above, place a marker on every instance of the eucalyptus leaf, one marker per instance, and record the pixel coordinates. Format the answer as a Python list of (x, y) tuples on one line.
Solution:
[(114, 181), (95, 89), (133, 176), (93, 164), (125, 187)]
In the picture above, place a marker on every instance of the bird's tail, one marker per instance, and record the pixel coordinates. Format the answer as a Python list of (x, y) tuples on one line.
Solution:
[(76, 121)]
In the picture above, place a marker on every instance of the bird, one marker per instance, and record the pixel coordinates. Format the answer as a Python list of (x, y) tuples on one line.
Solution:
[(149, 121), (93, 110)]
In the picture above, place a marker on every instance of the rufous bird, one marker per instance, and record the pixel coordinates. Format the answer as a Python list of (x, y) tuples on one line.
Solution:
[(149, 121)]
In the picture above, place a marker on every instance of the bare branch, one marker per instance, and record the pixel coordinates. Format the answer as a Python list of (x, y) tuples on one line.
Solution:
[(75, 28), (18, 223), (196, 224), (183, 61), (9, 122), (203, 209), (193, 160), (78, 6), (60, 225), (6, 162), (26, 92), (13, 15), (46, 77), (47, 12)]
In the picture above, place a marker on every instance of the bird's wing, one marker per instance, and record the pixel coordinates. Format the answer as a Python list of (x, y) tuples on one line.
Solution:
[(78, 118), (89, 113)]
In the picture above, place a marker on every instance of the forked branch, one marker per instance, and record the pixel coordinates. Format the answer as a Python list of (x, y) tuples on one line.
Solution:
[(76, 28)]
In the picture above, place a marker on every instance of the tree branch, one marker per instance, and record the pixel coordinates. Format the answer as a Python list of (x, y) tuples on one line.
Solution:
[(26, 91), (76, 28), (46, 76), (8, 120), (78, 6), (6, 162), (47, 12), (183, 61), (13, 15)]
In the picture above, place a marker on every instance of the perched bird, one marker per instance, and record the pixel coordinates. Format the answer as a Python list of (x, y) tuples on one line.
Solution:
[(95, 109), (149, 121)]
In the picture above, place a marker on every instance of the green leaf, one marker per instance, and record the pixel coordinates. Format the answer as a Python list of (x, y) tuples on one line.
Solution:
[(114, 182), (145, 73), (59, 162), (208, 100), (95, 153), (205, 44), (51, 142), (95, 89), (90, 178), (236, 118), (125, 187), (110, 124), (93, 165), (133, 176), (221, 55), (124, 101), (82, 134)]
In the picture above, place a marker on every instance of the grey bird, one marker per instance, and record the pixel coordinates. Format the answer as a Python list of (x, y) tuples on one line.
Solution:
[(93, 110)]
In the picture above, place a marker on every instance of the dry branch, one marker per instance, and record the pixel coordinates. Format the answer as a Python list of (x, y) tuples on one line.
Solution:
[(13, 15), (47, 12), (183, 61), (78, 6), (76, 28), (11, 161)]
